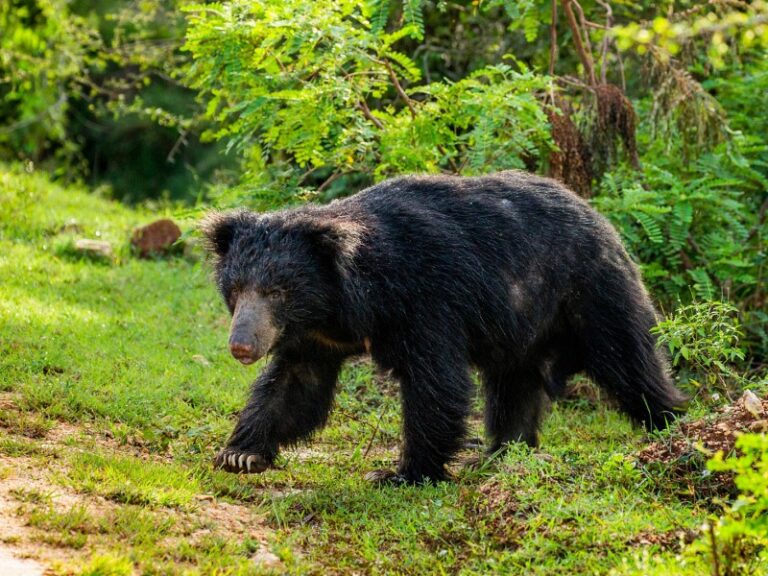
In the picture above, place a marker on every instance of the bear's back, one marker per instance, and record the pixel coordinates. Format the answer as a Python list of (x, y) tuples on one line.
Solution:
[(513, 205)]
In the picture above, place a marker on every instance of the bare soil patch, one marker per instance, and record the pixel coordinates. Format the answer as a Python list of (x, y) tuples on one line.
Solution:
[(712, 433), (27, 487), (684, 453)]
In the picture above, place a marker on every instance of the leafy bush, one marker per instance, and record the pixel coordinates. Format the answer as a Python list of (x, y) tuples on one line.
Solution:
[(697, 232), (314, 92), (89, 89), (44, 51), (738, 541), (703, 340)]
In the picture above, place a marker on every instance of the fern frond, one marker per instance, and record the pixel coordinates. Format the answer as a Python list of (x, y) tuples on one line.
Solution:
[(703, 286), (379, 15), (408, 30), (651, 227), (680, 223), (405, 65), (412, 11)]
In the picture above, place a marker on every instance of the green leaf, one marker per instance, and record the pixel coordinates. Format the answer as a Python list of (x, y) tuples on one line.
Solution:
[(412, 11), (651, 226), (379, 15)]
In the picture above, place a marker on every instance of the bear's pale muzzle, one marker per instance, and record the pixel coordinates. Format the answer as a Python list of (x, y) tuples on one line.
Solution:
[(252, 333)]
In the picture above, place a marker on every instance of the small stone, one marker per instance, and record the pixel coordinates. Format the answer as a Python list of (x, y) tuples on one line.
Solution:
[(155, 238), (94, 247), (202, 360), (752, 403), (71, 226), (759, 426), (266, 559)]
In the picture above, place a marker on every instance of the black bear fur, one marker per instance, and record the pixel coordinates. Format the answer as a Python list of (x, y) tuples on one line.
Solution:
[(510, 273)]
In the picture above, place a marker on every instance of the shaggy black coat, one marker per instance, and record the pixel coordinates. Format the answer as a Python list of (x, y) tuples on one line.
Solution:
[(510, 273)]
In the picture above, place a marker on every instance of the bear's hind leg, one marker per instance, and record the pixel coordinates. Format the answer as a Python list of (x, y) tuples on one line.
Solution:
[(514, 400)]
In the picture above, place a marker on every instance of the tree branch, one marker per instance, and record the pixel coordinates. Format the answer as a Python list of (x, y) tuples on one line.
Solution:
[(584, 56), (399, 88), (584, 30), (329, 180), (606, 39), (621, 71), (180, 141), (553, 39), (412, 109), (36, 118), (363, 107)]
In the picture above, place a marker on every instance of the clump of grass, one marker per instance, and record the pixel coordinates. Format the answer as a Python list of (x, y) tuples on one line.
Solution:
[(29, 424), (107, 564), (16, 447), (31, 495), (68, 529), (130, 480), (136, 525)]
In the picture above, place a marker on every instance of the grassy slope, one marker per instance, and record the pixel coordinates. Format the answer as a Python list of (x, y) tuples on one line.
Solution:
[(131, 356)]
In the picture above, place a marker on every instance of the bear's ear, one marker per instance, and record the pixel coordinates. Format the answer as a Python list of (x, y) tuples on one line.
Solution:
[(218, 229), (337, 240)]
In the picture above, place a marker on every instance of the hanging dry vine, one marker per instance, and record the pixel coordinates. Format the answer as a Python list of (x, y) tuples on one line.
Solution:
[(570, 163), (607, 114), (680, 104)]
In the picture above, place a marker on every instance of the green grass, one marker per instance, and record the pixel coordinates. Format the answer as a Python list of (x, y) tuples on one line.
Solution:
[(132, 353)]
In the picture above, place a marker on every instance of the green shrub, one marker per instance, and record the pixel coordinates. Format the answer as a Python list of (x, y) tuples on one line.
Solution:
[(317, 95), (738, 541), (703, 341), (697, 233)]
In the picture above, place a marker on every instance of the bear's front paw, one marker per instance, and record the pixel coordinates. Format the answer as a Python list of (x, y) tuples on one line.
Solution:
[(233, 460)]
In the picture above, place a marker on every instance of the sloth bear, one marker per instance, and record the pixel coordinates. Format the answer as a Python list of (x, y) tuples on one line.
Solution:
[(510, 273)]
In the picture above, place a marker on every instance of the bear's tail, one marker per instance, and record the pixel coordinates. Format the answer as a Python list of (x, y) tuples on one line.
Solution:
[(622, 356)]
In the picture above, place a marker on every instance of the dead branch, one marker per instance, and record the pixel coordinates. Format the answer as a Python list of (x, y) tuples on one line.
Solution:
[(584, 26), (180, 141), (621, 71), (373, 436)]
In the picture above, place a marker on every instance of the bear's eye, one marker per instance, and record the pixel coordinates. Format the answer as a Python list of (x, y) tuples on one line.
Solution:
[(234, 293), (275, 294)]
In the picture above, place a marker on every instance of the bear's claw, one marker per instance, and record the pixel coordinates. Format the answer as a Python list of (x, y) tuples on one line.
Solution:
[(231, 460), (385, 477)]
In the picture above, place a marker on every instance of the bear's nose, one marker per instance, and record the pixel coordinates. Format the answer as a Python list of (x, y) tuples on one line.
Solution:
[(243, 352)]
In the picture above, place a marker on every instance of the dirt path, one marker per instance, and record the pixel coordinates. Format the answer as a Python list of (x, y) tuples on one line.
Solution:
[(28, 489), (20, 551), (12, 534), (11, 566)]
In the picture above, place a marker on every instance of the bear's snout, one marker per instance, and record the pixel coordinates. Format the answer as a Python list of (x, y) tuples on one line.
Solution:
[(252, 333), (245, 353)]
